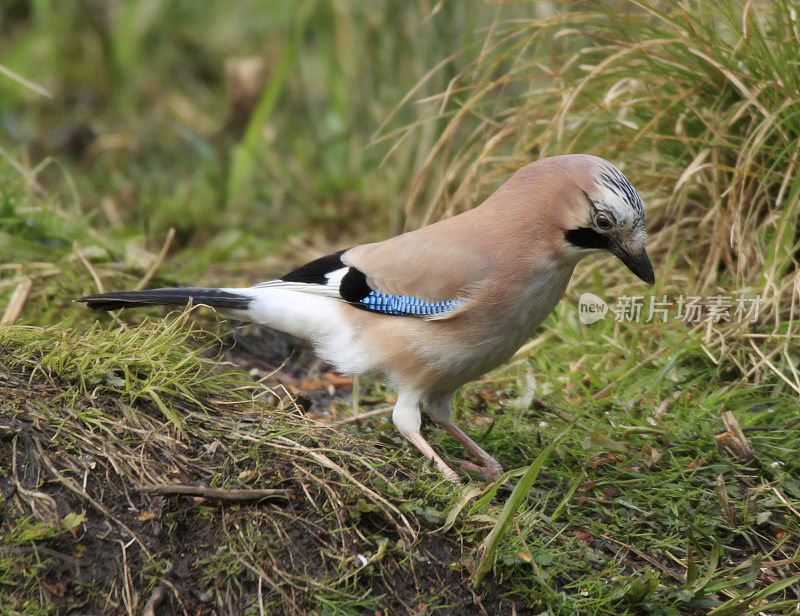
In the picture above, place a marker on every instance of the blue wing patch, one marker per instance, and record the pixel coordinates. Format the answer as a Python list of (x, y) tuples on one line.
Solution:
[(353, 288), (405, 305), (325, 274)]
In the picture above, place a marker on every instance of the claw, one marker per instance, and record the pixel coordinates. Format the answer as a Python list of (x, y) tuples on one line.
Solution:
[(490, 470), (487, 466)]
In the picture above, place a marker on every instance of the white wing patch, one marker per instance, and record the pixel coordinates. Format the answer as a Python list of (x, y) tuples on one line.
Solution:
[(329, 289)]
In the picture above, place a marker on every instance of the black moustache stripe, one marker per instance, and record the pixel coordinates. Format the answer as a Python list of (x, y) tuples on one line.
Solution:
[(587, 238)]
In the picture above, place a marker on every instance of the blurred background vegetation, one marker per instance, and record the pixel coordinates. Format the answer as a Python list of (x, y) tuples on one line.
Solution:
[(236, 124), (153, 141), (269, 131)]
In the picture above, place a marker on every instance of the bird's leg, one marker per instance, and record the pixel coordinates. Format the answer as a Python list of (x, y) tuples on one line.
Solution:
[(420, 443), (438, 408), (488, 465), (406, 416)]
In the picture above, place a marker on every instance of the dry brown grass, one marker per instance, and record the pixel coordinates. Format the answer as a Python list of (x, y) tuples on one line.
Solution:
[(699, 106)]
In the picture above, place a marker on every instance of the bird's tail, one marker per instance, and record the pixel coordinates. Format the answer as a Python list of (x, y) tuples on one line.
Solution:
[(216, 298), (276, 304)]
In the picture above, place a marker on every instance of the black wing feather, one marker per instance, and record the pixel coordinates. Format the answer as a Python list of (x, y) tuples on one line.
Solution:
[(314, 271)]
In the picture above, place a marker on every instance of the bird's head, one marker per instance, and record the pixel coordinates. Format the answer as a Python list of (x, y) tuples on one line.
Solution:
[(605, 213)]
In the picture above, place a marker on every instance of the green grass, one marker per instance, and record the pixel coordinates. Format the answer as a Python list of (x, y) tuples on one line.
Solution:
[(645, 486), (20, 584), (645, 506), (640, 508)]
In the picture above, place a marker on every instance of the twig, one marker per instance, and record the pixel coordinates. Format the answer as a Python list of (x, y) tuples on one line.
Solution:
[(25, 82), (13, 282), (154, 601), (375, 497), (770, 564), (644, 557), (783, 427), (40, 549), (786, 426), (17, 301), (232, 496), (158, 260), (89, 267), (782, 498), (32, 495), (360, 416), (127, 595), (68, 483), (774, 368), (741, 448)]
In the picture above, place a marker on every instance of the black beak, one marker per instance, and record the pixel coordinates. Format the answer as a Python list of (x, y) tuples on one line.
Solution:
[(639, 264)]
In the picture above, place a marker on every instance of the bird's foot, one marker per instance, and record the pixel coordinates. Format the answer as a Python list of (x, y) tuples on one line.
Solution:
[(486, 466), (450, 475), (491, 469), (420, 443)]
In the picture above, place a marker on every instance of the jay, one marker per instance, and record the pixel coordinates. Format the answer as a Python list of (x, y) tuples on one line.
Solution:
[(434, 308)]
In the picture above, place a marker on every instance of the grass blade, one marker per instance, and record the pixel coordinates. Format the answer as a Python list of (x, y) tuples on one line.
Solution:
[(492, 541), (737, 605)]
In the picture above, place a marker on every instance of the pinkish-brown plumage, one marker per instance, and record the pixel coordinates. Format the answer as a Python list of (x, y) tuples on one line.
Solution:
[(500, 268)]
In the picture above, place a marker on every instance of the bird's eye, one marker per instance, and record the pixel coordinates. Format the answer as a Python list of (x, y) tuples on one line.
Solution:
[(603, 222)]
